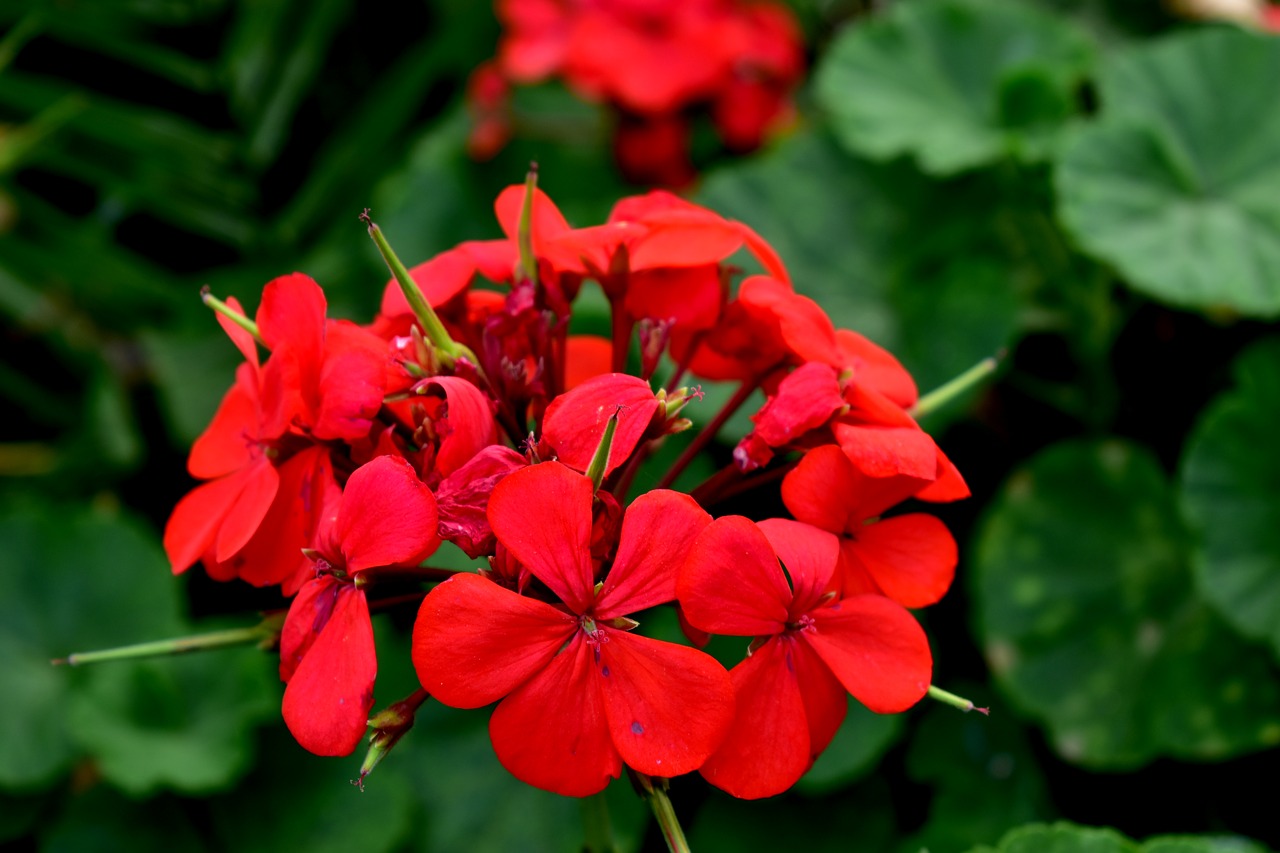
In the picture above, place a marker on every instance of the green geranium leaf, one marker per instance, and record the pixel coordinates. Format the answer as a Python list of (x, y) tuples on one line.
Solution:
[(1230, 480), (102, 821), (81, 581), (955, 83), (1069, 838), (985, 778), (297, 801), (184, 723), (1176, 186), (1090, 621), (471, 803)]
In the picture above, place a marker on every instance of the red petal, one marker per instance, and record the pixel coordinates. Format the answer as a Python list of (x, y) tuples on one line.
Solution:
[(225, 445), (387, 516), (194, 522), (440, 279), (475, 642), (274, 554), (949, 486), (586, 357), (767, 748), (668, 706), (245, 515), (805, 400), (911, 557), (657, 530), (467, 428), (552, 732), (240, 336), (308, 614), (327, 702), (809, 556), (463, 498), (805, 327), (731, 583), (542, 514), (575, 421), (820, 490), (691, 296), (292, 314), (826, 702), (852, 575), (876, 367), (877, 650), (547, 223), (352, 383)]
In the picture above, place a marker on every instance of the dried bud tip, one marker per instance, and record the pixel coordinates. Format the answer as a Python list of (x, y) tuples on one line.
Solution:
[(367, 220)]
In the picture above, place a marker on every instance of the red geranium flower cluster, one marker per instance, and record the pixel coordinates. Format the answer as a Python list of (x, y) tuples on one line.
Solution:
[(467, 412), (654, 63)]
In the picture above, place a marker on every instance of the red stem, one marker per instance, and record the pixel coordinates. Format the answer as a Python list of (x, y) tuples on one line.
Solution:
[(709, 432)]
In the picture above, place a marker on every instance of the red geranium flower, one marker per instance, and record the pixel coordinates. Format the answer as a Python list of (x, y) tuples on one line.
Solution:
[(811, 647), (386, 519), (583, 695)]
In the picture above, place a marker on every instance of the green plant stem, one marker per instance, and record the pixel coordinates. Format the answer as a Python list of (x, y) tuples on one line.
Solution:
[(944, 394), (231, 314), (176, 645), (666, 816), (597, 831)]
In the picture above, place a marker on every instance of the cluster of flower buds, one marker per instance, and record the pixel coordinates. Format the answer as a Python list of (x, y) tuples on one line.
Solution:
[(468, 412), (653, 63)]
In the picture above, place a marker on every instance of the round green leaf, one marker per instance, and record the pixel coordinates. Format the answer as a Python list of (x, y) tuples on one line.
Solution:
[(1069, 838), (984, 776), (1177, 185), (1230, 480), (955, 83), (1089, 618)]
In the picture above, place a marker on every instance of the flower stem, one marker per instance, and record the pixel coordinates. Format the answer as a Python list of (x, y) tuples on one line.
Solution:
[(597, 832), (263, 634), (709, 432), (656, 794), (955, 701), (949, 391)]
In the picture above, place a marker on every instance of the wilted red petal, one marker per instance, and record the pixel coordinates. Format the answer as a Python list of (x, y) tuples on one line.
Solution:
[(657, 530), (327, 701), (552, 732), (767, 748), (463, 498), (809, 556), (542, 514), (668, 706), (245, 514), (475, 642), (911, 557), (877, 650), (731, 583), (387, 516), (576, 420)]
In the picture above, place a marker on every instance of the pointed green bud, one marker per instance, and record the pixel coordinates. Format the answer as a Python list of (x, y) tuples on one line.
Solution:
[(527, 268), (621, 623), (444, 346), (207, 297), (940, 695), (600, 459), (389, 725)]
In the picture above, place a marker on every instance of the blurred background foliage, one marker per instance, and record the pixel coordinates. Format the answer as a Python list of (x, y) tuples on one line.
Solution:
[(1091, 188)]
